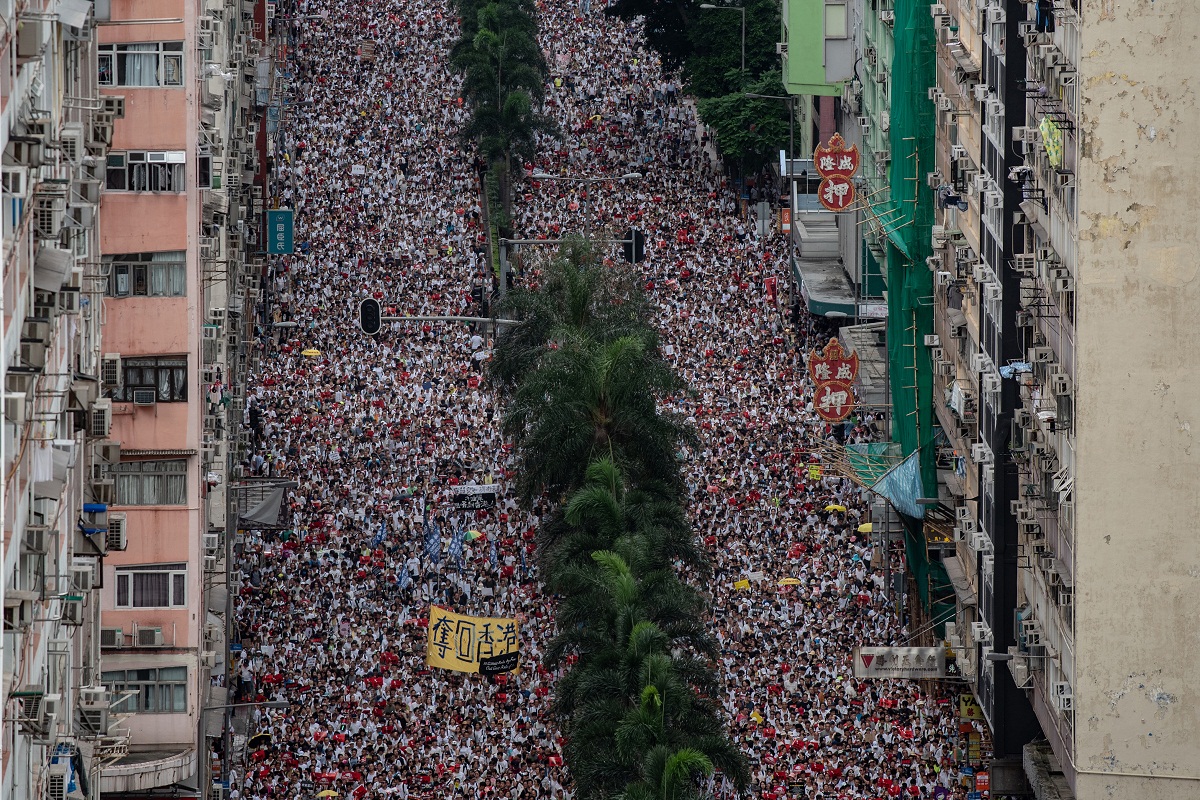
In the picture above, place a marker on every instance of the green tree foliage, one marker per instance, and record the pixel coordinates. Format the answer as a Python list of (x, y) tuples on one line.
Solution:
[(713, 68), (750, 131), (584, 381), (504, 77)]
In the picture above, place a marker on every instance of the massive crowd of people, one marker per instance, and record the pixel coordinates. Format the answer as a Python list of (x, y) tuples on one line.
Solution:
[(377, 431)]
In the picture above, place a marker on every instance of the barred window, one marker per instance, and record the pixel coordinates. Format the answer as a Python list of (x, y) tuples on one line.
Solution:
[(167, 376), (140, 64), (146, 171)]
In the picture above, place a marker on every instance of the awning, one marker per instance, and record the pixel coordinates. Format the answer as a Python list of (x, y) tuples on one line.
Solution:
[(825, 287), (51, 268), (958, 579), (182, 451), (869, 342), (879, 467), (74, 12), (266, 513)]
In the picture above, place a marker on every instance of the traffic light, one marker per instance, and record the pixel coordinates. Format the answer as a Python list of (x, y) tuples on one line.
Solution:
[(369, 317), (635, 246)]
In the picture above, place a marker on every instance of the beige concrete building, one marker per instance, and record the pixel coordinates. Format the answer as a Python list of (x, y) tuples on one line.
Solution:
[(1065, 312)]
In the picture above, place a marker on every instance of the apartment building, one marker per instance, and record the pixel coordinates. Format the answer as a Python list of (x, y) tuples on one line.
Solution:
[(177, 227), (56, 129), (1061, 356)]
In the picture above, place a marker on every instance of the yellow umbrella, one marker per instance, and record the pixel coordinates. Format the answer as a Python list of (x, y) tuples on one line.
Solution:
[(866, 527), (311, 352), (834, 507), (327, 793), (789, 581)]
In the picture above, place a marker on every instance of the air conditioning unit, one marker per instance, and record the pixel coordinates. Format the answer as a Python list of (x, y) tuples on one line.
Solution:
[(980, 362), (149, 637), (980, 632), (887, 15), (49, 212), (208, 659), (100, 422), (1022, 418), (981, 92), (114, 105), (38, 710), (212, 541), (145, 397), (981, 453), (210, 564), (943, 368), (111, 638), (94, 706), (1026, 514), (110, 370), (83, 577), (72, 609), (116, 539), (35, 540), (937, 10), (1025, 134), (989, 382), (1064, 699), (995, 15), (994, 199), (1060, 383), (1064, 285)]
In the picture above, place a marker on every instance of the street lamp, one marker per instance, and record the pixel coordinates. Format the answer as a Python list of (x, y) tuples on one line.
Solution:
[(546, 176), (742, 9), (204, 767)]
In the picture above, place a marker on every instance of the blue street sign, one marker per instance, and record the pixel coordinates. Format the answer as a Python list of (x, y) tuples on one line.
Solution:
[(279, 231)]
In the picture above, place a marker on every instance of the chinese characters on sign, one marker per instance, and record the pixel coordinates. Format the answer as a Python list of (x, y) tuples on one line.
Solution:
[(836, 164), (833, 371), (487, 645), (474, 498), (279, 231), (900, 662)]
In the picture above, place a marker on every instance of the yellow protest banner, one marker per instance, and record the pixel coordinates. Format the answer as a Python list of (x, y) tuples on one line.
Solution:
[(742, 585), (487, 645)]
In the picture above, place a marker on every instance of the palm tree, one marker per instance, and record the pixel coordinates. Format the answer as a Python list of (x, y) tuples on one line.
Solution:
[(586, 399), (574, 298), (645, 525), (633, 687), (668, 775)]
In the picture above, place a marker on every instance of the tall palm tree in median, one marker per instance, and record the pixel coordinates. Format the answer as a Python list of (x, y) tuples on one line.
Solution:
[(633, 687), (572, 298), (588, 399)]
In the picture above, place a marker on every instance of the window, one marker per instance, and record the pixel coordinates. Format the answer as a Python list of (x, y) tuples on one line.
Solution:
[(142, 64), (162, 274), (166, 375), (163, 690), (155, 586), (151, 483), (837, 20), (146, 171)]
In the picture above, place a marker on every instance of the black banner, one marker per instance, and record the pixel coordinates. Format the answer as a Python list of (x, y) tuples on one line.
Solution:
[(496, 665)]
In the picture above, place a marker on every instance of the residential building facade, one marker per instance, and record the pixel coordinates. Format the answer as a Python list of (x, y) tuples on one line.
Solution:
[(57, 732), (177, 225), (1060, 354)]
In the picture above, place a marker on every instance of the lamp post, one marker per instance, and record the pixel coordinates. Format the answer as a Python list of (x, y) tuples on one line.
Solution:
[(742, 10), (203, 768), (546, 176)]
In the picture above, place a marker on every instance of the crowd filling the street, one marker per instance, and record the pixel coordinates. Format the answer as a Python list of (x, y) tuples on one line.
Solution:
[(378, 433)]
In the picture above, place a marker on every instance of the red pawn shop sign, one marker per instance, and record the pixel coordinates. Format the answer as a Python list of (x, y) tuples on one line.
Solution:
[(836, 164)]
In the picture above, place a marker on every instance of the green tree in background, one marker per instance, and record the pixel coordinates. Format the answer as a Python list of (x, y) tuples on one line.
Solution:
[(751, 131)]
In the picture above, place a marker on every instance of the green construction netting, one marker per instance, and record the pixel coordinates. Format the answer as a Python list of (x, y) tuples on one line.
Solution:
[(910, 283)]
